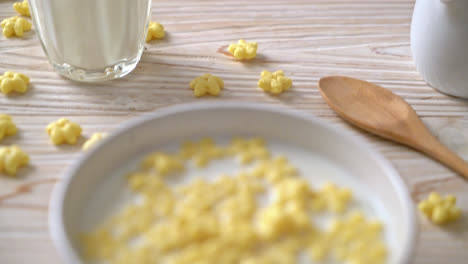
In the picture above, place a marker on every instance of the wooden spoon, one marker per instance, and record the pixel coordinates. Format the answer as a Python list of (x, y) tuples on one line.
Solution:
[(379, 111)]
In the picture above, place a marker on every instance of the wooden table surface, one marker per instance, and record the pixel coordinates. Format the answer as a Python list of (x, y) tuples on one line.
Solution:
[(307, 39)]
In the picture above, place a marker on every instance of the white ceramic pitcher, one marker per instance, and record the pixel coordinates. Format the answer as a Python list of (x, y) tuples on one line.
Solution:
[(439, 42)]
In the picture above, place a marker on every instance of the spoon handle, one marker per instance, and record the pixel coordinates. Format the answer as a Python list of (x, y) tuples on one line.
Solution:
[(432, 147)]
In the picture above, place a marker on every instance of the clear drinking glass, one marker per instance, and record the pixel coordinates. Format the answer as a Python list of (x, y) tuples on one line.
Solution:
[(92, 40)]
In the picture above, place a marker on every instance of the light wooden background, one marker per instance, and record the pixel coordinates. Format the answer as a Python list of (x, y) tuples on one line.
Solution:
[(307, 39)]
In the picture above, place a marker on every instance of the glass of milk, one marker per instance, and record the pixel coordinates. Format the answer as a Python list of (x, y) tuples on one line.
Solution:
[(92, 40)]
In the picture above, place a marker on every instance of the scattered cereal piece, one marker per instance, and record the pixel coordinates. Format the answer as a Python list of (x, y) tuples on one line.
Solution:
[(22, 8), (243, 50), (274, 170), (13, 82), (351, 240), (318, 252), (155, 31), (293, 190), (95, 138), (11, 159), (63, 131), (207, 84), (277, 220), (7, 127), (137, 255), (99, 244), (201, 152), (274, 83), (440, 210), (249, 150), (336, 199), (15, 26), (163, 163)]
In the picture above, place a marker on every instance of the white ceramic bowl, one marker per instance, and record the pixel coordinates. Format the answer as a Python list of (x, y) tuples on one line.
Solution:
[(99, 173)]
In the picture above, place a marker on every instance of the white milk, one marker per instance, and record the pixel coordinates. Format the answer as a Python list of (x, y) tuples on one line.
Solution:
[(91, 35)]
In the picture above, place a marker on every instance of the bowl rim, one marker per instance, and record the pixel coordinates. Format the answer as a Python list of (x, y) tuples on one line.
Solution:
[(55, 216)]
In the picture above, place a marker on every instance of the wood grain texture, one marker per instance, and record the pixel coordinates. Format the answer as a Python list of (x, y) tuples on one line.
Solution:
[(308, 39)]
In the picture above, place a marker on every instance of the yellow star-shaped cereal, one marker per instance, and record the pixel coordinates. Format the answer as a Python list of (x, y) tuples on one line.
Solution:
[(22, 8), (275, 170), (440, 210), (100, 244), (93, 140), (201, 152), (354, 239), (7, 127), (274, 83), (155, 31), (63, 131), (336, 199), (249, 150), (243, 50), (163, 163), (207, 84), (13, 82), (276, 220), (11, 159), (293, 189), (15, 26), (146, 182)]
